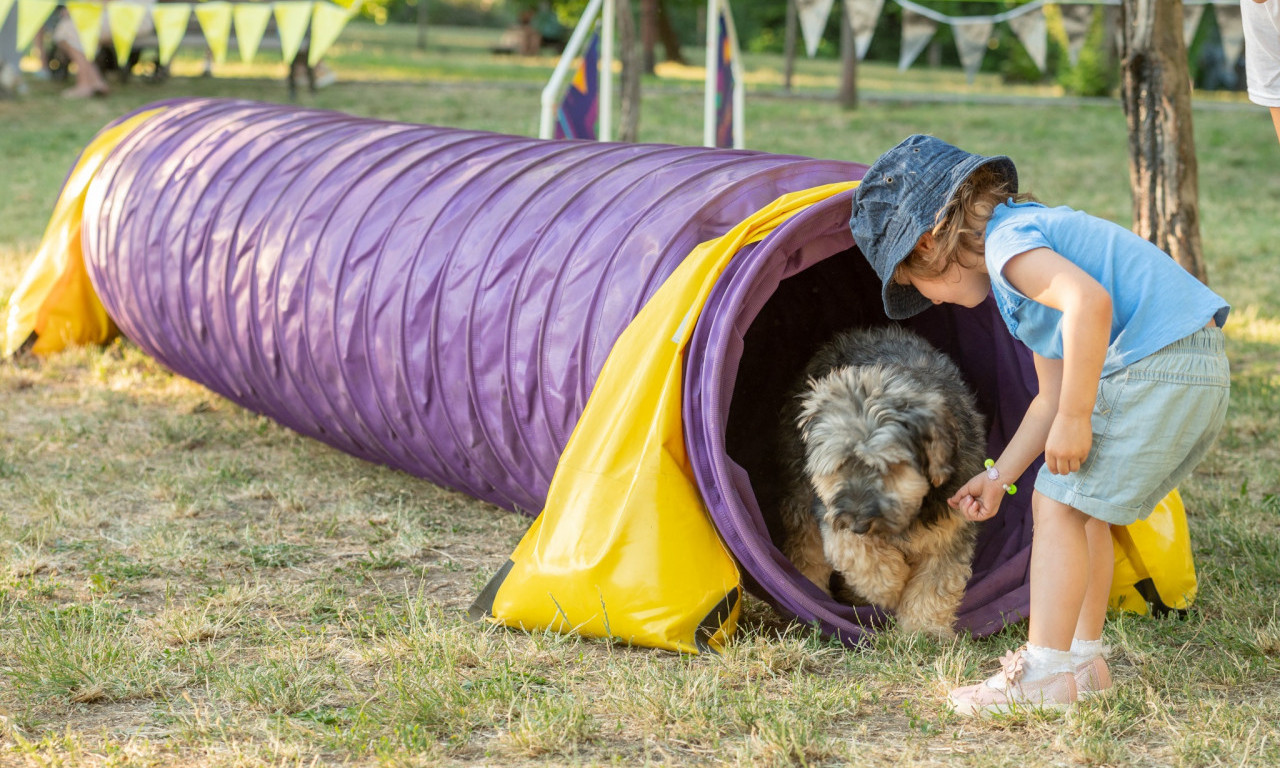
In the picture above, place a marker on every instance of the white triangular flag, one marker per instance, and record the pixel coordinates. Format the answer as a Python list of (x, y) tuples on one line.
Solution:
[(917, 31), (215, 22), (124, 18), (1191, 15), (171, 26), (87, 19), (292, 17), (32, 14), (327, 22), (251, 20), (813, 20), (863, 15), (1033, 33), (1231, 27), (1076, 20), (971, 42)]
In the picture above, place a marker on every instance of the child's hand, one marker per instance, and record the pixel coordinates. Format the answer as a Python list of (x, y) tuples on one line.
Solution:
[(979, 499), (1068, 444)]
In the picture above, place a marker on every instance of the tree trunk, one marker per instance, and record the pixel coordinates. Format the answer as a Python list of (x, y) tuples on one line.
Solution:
[(1156, 91), (789, 44), (649, 34), (849, 61), (629, 54), (422, 25), (667, 34)]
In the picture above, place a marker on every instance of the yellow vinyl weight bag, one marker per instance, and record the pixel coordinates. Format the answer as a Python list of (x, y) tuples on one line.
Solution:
[(1155, 571), (54, 305)]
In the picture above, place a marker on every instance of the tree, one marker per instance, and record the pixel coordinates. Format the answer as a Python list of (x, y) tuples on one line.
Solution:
[(1156, 92), (632, 67)]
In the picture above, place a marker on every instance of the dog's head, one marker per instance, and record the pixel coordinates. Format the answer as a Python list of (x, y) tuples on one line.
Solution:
[(875, 444)]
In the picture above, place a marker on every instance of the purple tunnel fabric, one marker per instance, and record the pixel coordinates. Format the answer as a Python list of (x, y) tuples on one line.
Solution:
[(441, 301)]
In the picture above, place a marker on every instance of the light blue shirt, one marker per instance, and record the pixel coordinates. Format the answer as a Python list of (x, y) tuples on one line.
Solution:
[(1154, 301)]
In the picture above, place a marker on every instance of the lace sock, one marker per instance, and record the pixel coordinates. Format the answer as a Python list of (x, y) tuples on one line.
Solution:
[(1083, 651), (1045, 662)]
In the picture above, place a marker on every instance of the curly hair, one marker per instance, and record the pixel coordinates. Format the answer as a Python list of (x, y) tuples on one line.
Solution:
[(961, 226)]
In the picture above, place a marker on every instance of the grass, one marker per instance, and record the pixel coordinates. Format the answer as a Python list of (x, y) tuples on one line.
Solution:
[(186, 583)]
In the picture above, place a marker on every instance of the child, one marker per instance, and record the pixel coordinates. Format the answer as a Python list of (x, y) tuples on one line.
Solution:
[(1132, 371)]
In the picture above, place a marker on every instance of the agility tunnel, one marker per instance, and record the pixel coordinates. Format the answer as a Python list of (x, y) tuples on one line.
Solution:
[(599, 334)]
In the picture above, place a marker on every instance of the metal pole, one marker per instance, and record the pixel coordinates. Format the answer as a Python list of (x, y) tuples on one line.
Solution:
[(551, 92), (606, 71), (713, 59)]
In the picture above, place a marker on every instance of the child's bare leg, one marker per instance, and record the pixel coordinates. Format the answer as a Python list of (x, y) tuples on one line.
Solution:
[(1102, 562), (1060, 572)]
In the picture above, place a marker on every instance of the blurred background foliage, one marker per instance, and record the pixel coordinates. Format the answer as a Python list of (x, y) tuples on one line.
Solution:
[(761, 28)]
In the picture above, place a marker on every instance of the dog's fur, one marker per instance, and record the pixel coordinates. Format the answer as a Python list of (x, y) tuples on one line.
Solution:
[(879, 434)]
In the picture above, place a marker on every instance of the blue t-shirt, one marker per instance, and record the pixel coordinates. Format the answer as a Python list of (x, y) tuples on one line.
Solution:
[(1154, 301)]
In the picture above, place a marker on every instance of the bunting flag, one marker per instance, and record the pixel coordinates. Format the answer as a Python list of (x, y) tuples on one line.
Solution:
[(863, 15), (971, 43), (171, 26), (1231, 28), (580, 109), (124, 20), (724, 86), (327, 22), (1191, 15), (292, 17), (1033, 33), (917, 31), (813, 20), (32, 15), (250, 20), (87, 19), (215, 21), (1076, 20)]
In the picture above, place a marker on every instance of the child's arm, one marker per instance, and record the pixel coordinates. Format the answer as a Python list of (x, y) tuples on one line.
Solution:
[(1047, 278), (980, 498)]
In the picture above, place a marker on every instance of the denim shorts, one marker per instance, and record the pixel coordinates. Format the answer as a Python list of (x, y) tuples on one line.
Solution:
[(1153, 422)]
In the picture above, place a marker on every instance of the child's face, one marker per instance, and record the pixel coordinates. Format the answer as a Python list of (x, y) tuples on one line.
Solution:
[(966, 286)]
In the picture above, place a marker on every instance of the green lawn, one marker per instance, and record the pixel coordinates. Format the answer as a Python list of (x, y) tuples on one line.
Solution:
[(186, 583)]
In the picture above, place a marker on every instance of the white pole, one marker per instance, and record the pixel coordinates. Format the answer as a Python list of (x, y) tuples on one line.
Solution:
[(551, 93), (739, 83), (713, 58), (606, 72)]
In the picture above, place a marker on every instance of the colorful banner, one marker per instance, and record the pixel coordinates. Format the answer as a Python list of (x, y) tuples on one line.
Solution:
[(31, 17), (251, 20), (580, 109), (724, 85), (971, 43), (862, 15), (215, 22), (171, 26), (813, 20), (1033, 33), (327, 22), (292, 18), (124, 20), (87, 19)]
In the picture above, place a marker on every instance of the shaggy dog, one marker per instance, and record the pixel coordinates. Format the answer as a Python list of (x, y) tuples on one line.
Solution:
[(881, 432)]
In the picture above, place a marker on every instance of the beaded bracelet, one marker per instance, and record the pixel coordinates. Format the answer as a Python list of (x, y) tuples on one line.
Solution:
[(994, 474)]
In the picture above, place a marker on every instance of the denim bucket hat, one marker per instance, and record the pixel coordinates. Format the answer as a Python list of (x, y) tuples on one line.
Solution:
[(899, 200)]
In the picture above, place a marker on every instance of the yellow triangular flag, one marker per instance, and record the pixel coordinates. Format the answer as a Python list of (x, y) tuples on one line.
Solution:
[(87, 18), (291, 21), (215, 21), (251, 23), (124, 19), (327, 22), (171, 26), (32, 15)]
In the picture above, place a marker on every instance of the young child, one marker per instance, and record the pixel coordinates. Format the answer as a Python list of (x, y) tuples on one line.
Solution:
[(1132, 371)]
